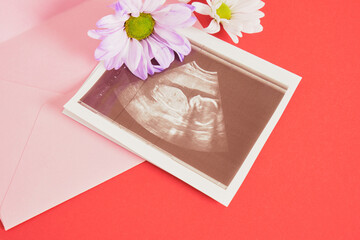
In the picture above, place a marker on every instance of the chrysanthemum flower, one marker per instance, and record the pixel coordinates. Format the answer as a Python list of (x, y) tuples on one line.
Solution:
[(141, 32), (236, 16)]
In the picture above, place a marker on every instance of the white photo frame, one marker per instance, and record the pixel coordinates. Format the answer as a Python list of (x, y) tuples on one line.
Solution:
[(243, 60)]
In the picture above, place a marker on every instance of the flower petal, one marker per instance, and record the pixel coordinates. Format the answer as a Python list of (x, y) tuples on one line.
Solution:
[(213, 27), (163, 55), (141, 70), (169, 35), (118, 62), (94, 34), (247, 6), (111, 45), (252, 26), (109, 63), (232, 32), (112, 21), (215, 4), (114, 41), (234, 26), (146, 52), (174, 15), (134, 54), (172, 40), (151, 5), (241, 17), (102, 33), (185, 24), (120, 57), (118, 7), (230, 2), (132, 6), (202, 8), (209, 2)]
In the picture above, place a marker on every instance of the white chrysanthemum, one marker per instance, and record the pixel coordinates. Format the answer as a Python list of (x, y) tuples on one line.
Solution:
[(236, 16)]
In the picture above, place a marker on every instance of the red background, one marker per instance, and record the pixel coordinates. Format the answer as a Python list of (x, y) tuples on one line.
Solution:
[(305, 183)]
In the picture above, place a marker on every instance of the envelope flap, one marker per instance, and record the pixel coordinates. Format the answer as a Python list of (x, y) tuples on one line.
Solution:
[(19, 106), (61, 160)]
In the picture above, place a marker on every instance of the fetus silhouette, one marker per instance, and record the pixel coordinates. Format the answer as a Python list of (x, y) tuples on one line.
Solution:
[(181, 105)]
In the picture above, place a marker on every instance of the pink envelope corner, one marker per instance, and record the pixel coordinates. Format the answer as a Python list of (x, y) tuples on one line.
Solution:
[(46, 157)]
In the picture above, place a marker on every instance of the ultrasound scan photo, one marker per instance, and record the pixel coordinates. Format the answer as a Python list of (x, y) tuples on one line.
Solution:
[(204, 112)]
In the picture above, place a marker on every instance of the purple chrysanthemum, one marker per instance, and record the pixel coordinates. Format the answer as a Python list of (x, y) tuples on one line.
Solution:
[(139, 32)]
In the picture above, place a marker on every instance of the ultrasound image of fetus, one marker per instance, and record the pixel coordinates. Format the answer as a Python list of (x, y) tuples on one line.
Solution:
[(181, 106)]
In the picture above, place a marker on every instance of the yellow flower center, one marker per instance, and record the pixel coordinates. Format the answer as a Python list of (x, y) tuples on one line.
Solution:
[(224, 11), (140, 27)]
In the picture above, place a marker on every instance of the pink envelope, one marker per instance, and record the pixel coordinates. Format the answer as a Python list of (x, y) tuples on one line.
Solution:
[(47, 158)]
